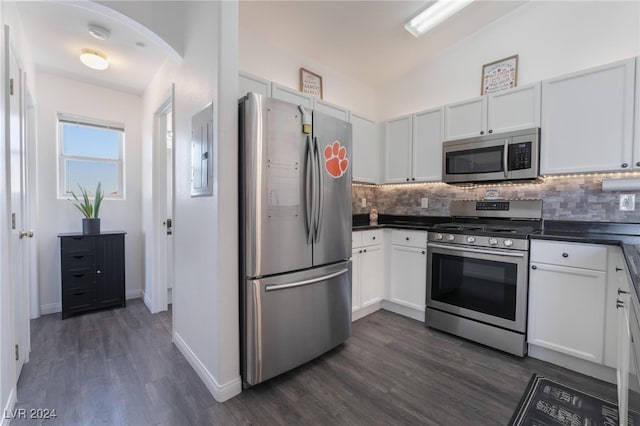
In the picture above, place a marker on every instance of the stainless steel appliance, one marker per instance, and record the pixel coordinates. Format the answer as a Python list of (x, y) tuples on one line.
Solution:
[(477, 282), (494, 157), (295, 211)]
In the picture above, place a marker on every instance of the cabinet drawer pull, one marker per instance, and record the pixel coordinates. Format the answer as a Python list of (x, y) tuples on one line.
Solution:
[(618, 269), (638, 164), (534, 267), (423, 252), (373, 238), (565, 254), (407, 238), (360, 251), (365, 250), (625, 165)]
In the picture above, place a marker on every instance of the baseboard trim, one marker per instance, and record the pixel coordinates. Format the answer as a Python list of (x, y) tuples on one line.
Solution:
[(134, 294), (221, 393), (147, 301), (7, 413), (363, 312), (403, 310), (50, 308)]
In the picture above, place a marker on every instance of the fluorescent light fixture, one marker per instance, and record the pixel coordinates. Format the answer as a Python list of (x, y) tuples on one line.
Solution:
[(94, 59), (438, 12)]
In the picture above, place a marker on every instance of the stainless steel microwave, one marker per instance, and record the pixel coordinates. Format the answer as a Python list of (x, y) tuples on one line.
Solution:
[(492, 158)]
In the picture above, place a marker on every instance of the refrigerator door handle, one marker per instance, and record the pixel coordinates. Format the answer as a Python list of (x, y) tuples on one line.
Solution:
[(275, 287), (309, 190), (320, 189)]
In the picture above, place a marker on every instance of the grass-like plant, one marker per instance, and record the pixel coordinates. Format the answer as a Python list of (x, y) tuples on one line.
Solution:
[(87, 208)]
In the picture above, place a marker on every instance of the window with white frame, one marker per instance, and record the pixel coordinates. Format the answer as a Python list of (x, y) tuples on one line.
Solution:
[(91, 151)]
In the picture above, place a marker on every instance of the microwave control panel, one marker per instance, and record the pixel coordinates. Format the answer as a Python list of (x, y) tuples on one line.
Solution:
[(520, 156)]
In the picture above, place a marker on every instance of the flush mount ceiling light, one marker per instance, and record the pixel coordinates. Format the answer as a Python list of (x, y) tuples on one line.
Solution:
[(438, 12), (101, 33), (94, 59)]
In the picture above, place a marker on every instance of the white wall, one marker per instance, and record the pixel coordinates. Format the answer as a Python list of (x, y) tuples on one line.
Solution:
[(551, 38), (205, 292), (61, 95), (261, 58)]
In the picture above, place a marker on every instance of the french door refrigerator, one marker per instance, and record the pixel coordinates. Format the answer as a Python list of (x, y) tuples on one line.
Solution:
[(295, 235)]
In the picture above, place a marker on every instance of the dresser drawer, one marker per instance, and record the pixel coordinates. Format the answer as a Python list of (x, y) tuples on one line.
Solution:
[(575, 255), (416, 239), (82, 261), (75, 246), (78, 300), (78, 280)]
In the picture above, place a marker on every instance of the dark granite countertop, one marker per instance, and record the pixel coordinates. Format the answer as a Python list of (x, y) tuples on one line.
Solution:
[(421, 223)]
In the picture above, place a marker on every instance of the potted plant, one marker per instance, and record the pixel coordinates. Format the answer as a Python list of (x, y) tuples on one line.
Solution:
[(91, 222)]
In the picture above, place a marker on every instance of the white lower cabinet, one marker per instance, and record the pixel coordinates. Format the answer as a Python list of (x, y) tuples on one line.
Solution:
[(408, 275), (367, 271)]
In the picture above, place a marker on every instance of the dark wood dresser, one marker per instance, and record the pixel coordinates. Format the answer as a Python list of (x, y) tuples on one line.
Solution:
[(92, 269)]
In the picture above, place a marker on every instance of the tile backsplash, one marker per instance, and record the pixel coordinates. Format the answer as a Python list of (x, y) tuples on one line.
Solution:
[(564, 198)]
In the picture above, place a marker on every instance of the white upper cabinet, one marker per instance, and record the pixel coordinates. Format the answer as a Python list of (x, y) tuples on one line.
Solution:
[(398, 149), (250, 83), (466, 119), (330, 109), (514, 109), (293, 96), (365, 149), (427, 145), (587, 120)]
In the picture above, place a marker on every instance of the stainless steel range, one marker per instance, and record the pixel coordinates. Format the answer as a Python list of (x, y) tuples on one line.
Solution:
[(477, 282)]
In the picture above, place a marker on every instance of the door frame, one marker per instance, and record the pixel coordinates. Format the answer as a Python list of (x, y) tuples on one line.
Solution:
[(160, 202)]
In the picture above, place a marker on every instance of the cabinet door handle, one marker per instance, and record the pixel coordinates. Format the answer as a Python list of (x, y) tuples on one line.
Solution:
[(619, 304), (565, 254), (365, 250), (423, 252), (621, 291), (360, 251), (534, 267), (407, 238), (482, 132), (407, 179), (618, 269), (373, 238), (98, 271), (638, 164), (413, 178), (625, 165), (490, 130)]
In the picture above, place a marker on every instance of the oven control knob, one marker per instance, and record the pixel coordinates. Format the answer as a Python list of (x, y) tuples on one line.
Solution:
[(508, 243), (439, 236), (451, 237), (493, 241), (471, 240)]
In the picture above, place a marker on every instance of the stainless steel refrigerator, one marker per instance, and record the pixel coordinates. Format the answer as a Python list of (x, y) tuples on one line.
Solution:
[(295, 234)]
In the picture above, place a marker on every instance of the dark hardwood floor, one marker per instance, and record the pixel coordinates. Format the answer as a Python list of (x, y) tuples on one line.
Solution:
[(120, 367)]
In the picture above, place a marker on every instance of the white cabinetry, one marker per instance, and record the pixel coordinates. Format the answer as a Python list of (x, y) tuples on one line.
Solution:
[(587, 120), (368, 272), (513, 109), (567, 289), (408, 275), (398, 149), (365, 149), (618, 284), (330, 109), (427, 145), (414, 147), (293, 96), (251, 83)]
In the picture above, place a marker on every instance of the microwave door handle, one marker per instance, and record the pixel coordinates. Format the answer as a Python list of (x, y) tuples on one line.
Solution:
[(505, 158)]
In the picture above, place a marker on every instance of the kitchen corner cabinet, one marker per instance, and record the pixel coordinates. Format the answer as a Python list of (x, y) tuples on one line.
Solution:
[(368, 268), (587, 120), (414, 147), (92, 269), (365, 149), (618, 285), (251, 83), (509, 110), (567, 287), (408, 275)]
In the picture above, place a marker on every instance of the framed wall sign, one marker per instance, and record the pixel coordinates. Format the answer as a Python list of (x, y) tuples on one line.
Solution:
[(499, 75), (310, 83)]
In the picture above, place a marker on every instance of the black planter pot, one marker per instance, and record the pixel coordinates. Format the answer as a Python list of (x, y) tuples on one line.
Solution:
[(90, 226)]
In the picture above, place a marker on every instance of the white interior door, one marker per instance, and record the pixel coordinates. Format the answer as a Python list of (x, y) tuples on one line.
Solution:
[(163, 205), (19, 244)]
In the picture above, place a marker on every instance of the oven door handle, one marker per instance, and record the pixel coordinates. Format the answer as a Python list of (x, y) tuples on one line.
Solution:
[(475, 250)]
